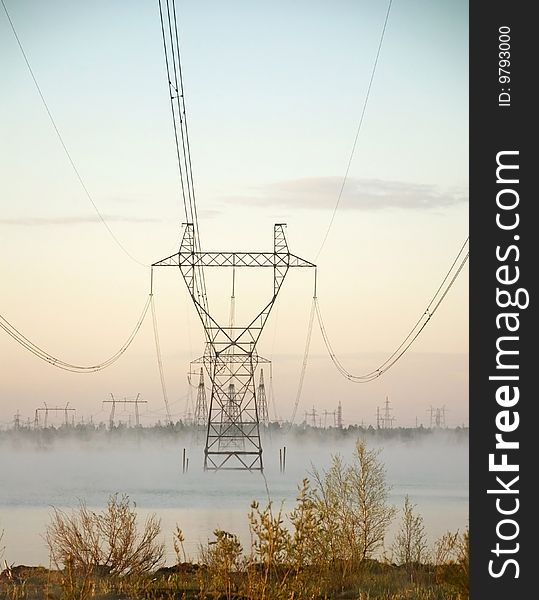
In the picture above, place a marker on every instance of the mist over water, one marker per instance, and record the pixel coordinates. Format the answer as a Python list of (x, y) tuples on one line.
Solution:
[(432, 468)]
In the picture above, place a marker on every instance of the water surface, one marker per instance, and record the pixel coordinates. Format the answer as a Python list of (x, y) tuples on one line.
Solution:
[(432, 470)]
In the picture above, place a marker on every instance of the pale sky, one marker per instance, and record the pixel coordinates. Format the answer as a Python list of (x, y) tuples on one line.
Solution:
[(274, 92)]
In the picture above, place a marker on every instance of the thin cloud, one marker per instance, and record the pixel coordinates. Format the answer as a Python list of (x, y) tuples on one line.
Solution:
[(77, 220), (209, 213), (358, 194)]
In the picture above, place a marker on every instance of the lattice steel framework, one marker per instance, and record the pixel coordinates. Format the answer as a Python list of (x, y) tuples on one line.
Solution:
[(261, 401), (230, 357), (201, 408)]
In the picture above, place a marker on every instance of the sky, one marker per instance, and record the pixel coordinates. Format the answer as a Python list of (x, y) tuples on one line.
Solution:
[(274, 93)]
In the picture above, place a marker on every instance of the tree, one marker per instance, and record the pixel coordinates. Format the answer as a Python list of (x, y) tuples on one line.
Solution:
[(445, 548), (306, 547), (370, 493), (410, 546), (108, 542), (352, 503), (331, 498)]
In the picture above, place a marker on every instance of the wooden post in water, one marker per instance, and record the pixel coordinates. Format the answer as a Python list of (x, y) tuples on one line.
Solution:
[(187, 465), (284, 459), (280, 460), (183, 461)]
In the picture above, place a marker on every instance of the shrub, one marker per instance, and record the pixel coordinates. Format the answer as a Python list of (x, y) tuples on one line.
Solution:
[(105, 543), (223, 559)]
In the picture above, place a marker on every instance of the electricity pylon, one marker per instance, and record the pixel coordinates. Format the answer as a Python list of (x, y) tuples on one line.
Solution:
[(230, 357), (125, 401), (48, 409), (261, 401), (437, 417), (387, 419), (201, 407)]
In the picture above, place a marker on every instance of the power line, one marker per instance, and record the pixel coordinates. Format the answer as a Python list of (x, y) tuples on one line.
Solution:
[(185, 130), (304, 363), (414, 333), (159, 359), (171, 50), (357, 131), (438, 296), (63, 144), (56, 362)]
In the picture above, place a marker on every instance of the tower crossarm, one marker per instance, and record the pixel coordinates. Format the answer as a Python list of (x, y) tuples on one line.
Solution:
[(233, 259), (192, 262)]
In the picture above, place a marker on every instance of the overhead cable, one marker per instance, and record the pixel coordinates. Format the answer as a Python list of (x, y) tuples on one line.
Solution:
[(159, 360), (366, 100), (304, 363), (171, 49), (64, 146), (12, 331), (432, 307)]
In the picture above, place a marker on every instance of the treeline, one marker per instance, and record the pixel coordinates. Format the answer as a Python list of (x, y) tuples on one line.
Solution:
[(189, 432)]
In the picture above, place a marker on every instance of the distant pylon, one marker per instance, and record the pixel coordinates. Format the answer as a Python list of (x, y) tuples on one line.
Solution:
[(125, 402), (385, 421), (201, 407), (55, 409), (330, 413), (441, 420), (261, 401), (230, 431), (339, 416), (437, 417), (312, 414), (112, 411)]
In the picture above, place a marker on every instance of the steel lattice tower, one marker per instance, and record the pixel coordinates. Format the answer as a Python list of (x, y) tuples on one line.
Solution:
[(230, 357), (201, 407), (339, 415), (261, 401)]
